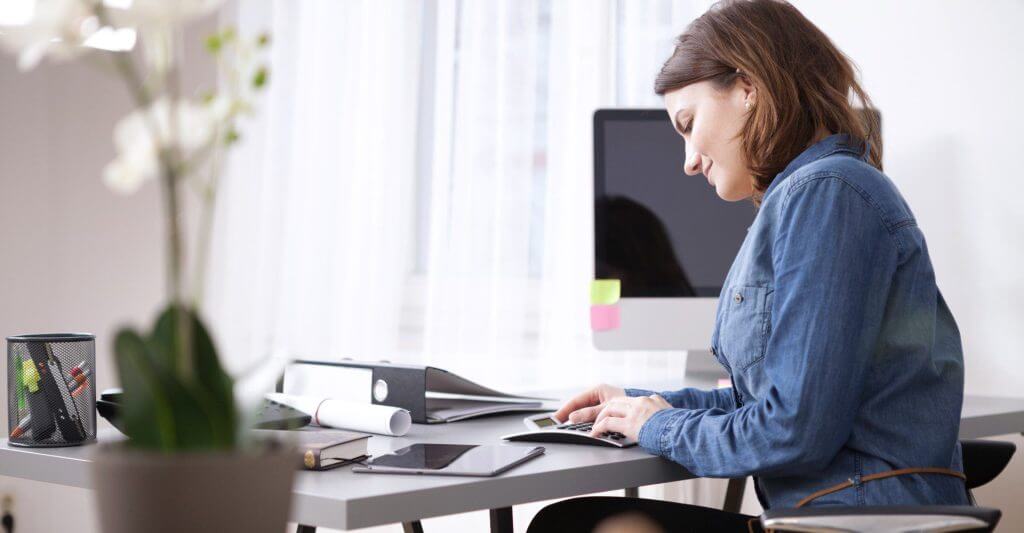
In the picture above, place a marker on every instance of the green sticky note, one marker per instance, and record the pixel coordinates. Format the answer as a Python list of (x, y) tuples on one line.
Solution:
[(29, 375), (604, 291)]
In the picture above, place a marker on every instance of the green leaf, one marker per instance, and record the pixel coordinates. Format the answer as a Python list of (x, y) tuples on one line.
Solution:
[(163, 409), (194, 429), (263, 40), (259, 79), (203, 401), (147, 413), (215, 383)]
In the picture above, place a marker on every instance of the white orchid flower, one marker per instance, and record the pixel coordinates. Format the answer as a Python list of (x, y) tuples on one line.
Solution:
[(128, 171), (57, 29), (138, 152)]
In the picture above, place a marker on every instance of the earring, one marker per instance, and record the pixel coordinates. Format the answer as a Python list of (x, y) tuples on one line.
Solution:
[(746, 105)]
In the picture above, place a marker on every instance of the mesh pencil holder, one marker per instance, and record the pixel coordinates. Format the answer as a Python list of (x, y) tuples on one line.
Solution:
[(51, 397)]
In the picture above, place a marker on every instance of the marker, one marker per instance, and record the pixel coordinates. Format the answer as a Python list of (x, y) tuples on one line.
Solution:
[(79, 378), (78, 369), (79, 383), (22, 427)]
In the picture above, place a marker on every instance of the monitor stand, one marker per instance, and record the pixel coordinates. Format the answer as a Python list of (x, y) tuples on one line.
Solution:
[(701, 364)]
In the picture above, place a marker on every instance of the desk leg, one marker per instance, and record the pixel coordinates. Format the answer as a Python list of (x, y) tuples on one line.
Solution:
[(412, 527), (632, 492), (301, 528), (734, 494), (501, 520)]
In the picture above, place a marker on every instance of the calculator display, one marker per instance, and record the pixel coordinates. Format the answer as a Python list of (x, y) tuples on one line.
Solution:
[(544, 422)]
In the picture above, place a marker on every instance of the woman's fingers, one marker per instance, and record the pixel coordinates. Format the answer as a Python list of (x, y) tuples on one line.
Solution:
[(587, 414), (578, 402), (615, 408), (610, 424)]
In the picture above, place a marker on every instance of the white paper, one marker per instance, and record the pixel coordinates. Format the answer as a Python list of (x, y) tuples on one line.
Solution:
[(327, 381), (354, 416)]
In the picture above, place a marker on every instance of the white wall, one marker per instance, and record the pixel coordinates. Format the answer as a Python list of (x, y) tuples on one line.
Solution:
[(947, 77), (73, 256)]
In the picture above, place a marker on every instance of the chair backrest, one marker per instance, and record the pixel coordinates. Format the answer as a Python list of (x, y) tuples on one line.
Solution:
[(985, 459)]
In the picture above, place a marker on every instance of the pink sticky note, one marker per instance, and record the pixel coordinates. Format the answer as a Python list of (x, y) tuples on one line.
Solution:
[(604, 317)]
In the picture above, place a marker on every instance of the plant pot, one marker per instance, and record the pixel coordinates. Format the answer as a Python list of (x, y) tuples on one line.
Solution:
[(154, 492)]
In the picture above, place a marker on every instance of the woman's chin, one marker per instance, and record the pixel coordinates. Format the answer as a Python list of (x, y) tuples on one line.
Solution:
[(731, 194)]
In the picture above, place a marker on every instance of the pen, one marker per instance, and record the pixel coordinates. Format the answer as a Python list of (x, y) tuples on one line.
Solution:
[(79, 383)]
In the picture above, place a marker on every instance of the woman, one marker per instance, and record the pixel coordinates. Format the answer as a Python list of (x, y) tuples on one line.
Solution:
[(845, 360)]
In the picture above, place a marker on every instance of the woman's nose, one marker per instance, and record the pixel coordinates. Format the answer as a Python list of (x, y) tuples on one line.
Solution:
[(692, 166)]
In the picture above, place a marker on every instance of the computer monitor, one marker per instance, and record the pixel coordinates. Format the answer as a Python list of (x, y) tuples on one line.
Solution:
[(666, 236)]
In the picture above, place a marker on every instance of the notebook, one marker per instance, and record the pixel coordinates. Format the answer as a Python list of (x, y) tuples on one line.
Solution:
[(323, 449)]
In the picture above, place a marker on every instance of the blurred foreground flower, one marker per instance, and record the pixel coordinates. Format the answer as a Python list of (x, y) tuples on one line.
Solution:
[(56, 29), (61, 29), (191, 133)]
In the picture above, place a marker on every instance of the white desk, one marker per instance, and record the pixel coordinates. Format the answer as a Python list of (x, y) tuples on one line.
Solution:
[(342, 499)]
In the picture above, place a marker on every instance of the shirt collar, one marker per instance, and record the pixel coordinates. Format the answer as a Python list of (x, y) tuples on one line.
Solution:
[(837, 143)]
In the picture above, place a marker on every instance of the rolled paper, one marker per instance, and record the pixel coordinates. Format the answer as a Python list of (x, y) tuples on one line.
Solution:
[(605, 291), (604, 317), (355, 416)]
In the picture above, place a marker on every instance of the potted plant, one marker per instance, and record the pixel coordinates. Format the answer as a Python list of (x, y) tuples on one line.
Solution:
[(188, 464)]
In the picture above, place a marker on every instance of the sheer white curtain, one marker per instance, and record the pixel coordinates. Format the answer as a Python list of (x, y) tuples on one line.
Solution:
[(417, 187), (417, 184)]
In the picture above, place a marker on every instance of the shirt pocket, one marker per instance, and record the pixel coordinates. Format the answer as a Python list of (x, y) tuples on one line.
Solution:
[(746, 324)]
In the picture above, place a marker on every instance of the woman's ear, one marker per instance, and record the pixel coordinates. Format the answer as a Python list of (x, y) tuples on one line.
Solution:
[(748, 90)]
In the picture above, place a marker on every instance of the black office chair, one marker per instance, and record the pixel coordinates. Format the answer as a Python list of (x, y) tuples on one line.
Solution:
[(983, 461)]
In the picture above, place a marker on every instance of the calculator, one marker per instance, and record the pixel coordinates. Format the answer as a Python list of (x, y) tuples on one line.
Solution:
[(546, 428)]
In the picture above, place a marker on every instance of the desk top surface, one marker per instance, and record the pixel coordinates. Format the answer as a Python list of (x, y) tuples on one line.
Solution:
[(347, 500)]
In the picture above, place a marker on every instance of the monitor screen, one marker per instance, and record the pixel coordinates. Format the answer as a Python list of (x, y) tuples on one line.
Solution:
[(659, 231)]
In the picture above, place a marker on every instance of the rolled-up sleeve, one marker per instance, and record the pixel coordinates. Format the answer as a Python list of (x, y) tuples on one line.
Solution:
[(834, 260)]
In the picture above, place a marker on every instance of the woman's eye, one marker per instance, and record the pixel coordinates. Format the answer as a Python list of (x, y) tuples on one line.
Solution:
[(688, 127)]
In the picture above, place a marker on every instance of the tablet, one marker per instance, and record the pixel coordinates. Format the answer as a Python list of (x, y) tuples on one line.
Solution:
[(451, 460)]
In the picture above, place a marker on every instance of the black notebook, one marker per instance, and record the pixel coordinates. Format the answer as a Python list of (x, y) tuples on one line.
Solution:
[(323, 449)]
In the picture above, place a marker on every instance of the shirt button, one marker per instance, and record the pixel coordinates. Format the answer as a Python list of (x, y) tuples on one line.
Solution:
[(737, 297)]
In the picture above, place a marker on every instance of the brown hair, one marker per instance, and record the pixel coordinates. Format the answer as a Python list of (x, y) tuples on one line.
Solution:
[(804, 82)]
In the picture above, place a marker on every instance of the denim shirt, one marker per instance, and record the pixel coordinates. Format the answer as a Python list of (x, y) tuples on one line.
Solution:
[(845, 360)]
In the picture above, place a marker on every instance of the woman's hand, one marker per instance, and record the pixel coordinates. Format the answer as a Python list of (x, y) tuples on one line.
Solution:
[(627, 415), (586, 406)]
